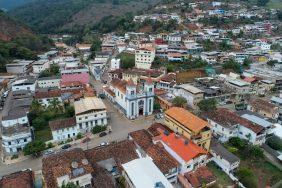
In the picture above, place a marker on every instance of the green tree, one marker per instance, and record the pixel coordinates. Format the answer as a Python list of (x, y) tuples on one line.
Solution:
[(279, 15), (272, 62), (262, 3), (224, 46), (232, 64), (247, 62), (98, 129), (34, 148), (170, 68), (127, 60), (179, 101), (55, 105), (246, 177), (237, 142), (206, 105), (275, 143), (96, 45)]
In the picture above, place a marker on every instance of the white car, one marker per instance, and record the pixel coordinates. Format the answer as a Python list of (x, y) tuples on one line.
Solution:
[(48, 152), (104, 144)]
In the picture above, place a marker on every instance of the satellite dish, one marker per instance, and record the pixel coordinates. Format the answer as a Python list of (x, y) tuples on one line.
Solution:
[(74, 164), (84, 161)]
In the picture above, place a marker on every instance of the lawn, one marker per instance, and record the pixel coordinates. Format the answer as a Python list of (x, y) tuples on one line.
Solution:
[(222, 179)]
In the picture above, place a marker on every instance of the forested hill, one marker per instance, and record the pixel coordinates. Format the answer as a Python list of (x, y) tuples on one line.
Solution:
[(51, 16), (17, 41), (9, 28)]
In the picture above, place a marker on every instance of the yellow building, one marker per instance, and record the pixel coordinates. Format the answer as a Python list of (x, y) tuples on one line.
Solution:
[(187, 124)]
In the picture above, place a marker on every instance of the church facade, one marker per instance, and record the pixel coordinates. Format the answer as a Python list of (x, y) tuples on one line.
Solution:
[(133, 100)]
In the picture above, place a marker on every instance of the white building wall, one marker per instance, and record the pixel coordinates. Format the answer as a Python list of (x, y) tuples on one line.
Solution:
[(29, 87), (65, 133), (49, 83), (86, 122)]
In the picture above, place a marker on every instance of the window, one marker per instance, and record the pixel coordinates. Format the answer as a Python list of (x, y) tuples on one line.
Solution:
[(86, 117), (80, 125), (9, 143), (25, 140), (132, 93), (150, 89)]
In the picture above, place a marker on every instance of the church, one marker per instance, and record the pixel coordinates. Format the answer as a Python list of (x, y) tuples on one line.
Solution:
[(132, 99)]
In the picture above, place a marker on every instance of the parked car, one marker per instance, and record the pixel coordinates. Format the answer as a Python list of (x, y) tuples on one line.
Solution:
[(104, 144), (102, 96), (102, 134), (66, 146), (48, 152)]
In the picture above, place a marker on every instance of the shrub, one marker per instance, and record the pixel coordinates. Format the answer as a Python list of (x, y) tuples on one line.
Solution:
[(50, 145), (275, 143), (78, 136), (98, 129), (237, 142), (34, 148), (68, 140)]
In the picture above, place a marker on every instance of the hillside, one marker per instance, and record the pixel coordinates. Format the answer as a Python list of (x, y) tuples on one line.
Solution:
[(49, 16), (17, 41), (10, 29), (10, 4)]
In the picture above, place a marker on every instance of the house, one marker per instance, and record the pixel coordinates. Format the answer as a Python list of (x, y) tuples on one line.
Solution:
[(263, 108), (24, 83), (257, 119), (201, 177), (174, 39), (63, 129), (144, 57), (226, 124), (142, 172), (189, 155), (278, 101), (167, 82), (49, 82), (115, 64), (192, 94), (74, 73), (115, 74), (161, 158), (89, 112), (22, 179), (16, 131), (189, 125), (67, 167), (40, 65), (133, 100), (226, 160), (19, 66), (45, 97), (83, 47)]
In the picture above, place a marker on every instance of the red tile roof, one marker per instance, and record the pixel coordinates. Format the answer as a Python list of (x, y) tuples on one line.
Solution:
[(202, 174), (47, 94), (261, 104), (57, 165), (62, 123), (228, 118), (21, 179), (183, 147), (163, 160)]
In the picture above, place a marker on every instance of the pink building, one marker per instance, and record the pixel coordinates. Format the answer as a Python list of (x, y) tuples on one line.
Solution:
[(82, 77)]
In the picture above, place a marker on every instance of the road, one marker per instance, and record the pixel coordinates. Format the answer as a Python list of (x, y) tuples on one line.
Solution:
[(120, 126)]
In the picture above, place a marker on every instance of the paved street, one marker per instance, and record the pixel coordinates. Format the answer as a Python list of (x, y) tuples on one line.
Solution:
[(120, 125)]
